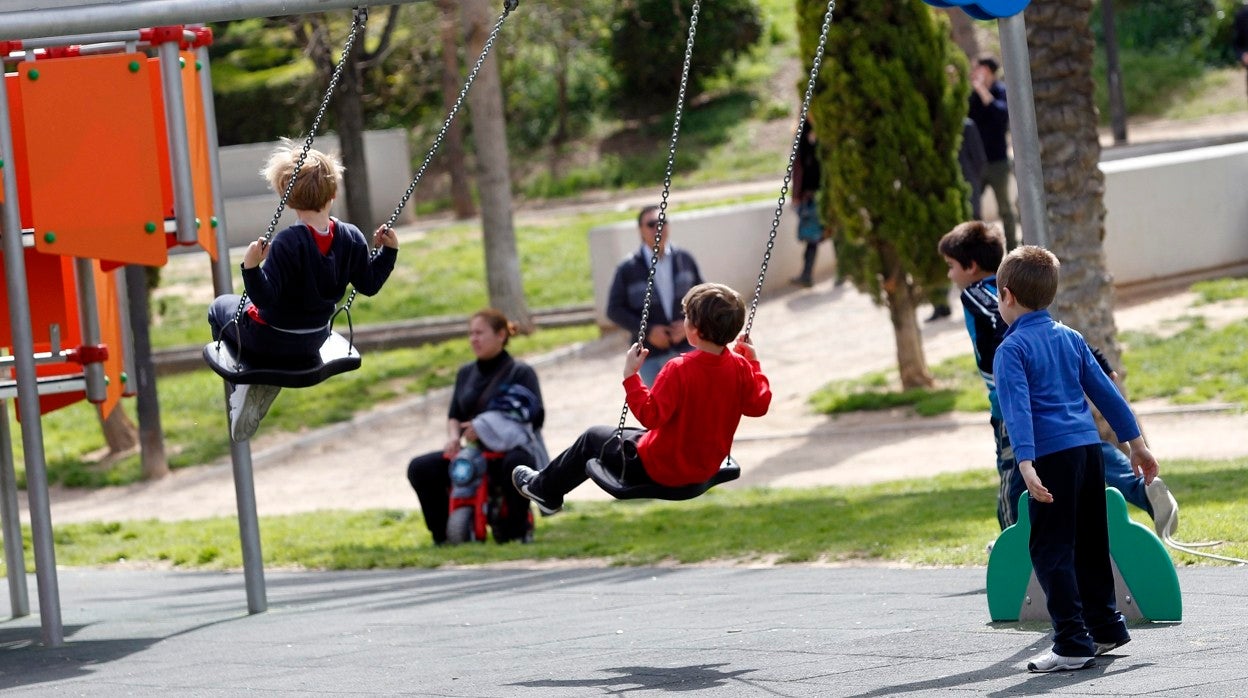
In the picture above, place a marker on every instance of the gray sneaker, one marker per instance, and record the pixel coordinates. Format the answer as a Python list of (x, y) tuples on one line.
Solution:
[(248, 405), (1165, 508), (1051, 661)]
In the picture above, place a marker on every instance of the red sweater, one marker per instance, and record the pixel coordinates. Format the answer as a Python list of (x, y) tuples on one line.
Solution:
[(693, 411)]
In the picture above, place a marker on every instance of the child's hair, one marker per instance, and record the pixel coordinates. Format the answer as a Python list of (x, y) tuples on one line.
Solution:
[(716, 311), (317, 183), (497, 322), (1032, 274), (641, 215), (974, 241), (988, 61)]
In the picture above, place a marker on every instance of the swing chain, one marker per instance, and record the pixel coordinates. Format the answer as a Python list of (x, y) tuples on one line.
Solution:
[(788, 172), (508, 6), (358, 19), (667, 188)]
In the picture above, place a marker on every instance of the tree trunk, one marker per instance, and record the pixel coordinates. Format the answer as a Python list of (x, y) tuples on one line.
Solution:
[(119, 432), (448, 31), (349, 113), (152, 457), (1061, 46), (502, 261), (908, 340)]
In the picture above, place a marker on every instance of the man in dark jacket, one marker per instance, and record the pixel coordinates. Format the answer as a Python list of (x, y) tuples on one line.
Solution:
[(989, 111), (675, 273)]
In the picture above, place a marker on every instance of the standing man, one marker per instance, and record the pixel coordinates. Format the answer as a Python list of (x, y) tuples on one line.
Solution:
[(1239, 34), (992, 118), (675, 273)]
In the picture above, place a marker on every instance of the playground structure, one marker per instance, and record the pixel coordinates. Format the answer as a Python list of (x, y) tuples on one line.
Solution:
[(135, 173)]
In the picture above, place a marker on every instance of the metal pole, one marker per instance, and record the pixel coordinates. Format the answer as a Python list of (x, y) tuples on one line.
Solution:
[(89, 320), (1028, 170), (97, 38), (222, 282), (129, 383), (14, 560), (22, 19), (179, 151), (28, 390)]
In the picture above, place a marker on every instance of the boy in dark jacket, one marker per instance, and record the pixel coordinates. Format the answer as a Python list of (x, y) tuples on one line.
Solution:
[(305, 272)]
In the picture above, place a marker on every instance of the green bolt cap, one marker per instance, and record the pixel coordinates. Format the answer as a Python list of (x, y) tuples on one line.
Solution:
[(198, 66), (124, 377), (150, 227), (212, 221), (33, 75), (181, 62), (197, 224), (49, 237), (134, 66)]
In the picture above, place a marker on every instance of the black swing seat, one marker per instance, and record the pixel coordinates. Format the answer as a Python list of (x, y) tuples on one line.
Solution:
[(614, 485), (337, 356)]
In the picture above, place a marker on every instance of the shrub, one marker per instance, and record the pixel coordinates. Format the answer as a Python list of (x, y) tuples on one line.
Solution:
[(648, 45)]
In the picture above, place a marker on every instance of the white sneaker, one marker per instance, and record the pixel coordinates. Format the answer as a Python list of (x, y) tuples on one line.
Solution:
[(1165, 508), (248, 405), (1050, 661)]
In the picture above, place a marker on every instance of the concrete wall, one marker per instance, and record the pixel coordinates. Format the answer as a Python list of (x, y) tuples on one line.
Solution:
[(249, 204), (1176, 214), (728, 244)]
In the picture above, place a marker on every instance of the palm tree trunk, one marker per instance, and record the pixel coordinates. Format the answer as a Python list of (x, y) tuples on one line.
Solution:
[(1061, 46)]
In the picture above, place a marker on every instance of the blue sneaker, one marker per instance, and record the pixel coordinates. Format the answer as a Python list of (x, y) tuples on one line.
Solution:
[(522, 477)]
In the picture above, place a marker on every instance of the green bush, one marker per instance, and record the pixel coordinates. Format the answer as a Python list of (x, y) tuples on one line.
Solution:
[(648, 46), (1150, 82)]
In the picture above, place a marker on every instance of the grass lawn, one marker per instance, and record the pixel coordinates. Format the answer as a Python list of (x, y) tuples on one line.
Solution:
[(939, 521), (1197, 361)]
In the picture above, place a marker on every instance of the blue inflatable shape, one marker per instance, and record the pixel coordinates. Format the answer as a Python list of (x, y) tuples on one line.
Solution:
[(984, 9)]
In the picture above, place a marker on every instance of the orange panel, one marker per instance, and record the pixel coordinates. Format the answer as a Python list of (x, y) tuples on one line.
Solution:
[(19, 146), (107, 299), (90, 143), (50, 284), (53, 300), (197, 135)]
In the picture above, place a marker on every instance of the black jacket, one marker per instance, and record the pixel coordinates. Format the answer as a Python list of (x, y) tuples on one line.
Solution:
[(628, 292)]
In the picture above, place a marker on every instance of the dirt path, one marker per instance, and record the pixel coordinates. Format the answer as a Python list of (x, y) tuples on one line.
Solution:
[(805, 339)]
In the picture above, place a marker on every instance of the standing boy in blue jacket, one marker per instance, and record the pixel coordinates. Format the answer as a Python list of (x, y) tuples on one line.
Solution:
[(1043, 370)]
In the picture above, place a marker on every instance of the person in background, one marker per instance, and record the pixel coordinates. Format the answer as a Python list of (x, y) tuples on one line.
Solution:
[(990, 112), (675, 273)]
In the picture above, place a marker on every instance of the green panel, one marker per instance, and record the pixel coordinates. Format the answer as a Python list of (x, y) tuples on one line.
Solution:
[(1143, 562), (1009, 567)]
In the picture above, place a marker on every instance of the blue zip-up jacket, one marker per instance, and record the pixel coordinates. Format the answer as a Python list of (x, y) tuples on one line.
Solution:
[(1043, 370), (984, 324)]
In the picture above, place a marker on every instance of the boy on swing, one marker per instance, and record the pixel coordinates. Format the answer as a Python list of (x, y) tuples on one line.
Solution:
[(305, 272), (690, 415)]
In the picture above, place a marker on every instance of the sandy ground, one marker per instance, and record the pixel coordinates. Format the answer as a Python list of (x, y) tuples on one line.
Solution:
[(805, 338)]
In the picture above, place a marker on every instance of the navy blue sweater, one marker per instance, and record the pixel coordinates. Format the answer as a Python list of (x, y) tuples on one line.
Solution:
[(1043, 370), (992, 120), (298, 288)]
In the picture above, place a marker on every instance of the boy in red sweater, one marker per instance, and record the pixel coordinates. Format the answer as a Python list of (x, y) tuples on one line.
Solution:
[(689, 416)]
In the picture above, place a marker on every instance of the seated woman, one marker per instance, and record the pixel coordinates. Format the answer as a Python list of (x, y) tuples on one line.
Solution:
[(492, 386)]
